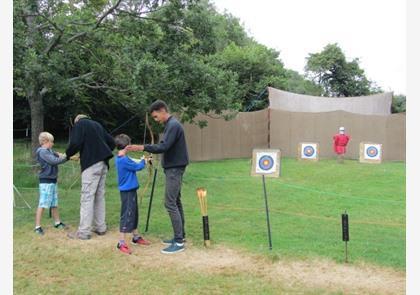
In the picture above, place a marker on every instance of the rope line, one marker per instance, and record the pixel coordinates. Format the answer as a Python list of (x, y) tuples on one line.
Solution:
[(221, 207), (338, 221), (247, 179), (308, 189)]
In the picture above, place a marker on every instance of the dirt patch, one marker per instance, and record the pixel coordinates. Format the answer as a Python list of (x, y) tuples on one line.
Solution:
[(308, 274)]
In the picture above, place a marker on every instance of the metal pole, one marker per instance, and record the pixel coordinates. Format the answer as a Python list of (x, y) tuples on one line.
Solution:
[(151, 199), (266, 211)]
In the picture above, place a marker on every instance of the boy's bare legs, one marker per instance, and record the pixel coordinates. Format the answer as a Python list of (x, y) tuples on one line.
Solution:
[(55, 215), (137, 239), (38, 216), (123, 237), (122, 244)]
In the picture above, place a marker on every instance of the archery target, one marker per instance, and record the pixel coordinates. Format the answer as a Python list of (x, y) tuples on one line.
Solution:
[(372, 151), (266, 161), (309, 151)]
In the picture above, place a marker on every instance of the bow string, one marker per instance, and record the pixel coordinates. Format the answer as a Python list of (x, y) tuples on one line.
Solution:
[(149, 155)]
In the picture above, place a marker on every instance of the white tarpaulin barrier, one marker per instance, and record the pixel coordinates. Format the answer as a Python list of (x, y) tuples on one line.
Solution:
[(377, 104)]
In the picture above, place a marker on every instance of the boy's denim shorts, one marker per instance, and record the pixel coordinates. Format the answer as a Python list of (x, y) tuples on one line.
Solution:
[(48, 195)]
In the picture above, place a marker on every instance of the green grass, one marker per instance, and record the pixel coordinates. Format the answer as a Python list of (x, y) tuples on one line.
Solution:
[(305, 208), (305, 203)]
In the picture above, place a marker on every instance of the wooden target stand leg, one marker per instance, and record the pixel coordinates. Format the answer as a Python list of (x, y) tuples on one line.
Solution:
[(267, 214)]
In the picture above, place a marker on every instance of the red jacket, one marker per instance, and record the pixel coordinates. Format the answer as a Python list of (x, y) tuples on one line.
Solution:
[(340, 143)]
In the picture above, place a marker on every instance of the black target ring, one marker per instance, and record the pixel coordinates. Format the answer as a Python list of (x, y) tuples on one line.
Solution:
[(372, 151), (266, 162), (308, 151)]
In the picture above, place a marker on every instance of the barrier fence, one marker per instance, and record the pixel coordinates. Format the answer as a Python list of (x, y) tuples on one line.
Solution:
[(284, 130)]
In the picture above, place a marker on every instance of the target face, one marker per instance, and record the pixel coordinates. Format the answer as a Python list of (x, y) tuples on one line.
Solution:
[(372, 151), (308, 150), (266, 161)]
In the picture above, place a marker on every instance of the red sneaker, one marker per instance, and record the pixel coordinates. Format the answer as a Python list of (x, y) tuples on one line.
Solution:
[(140, 241), (123, 248)]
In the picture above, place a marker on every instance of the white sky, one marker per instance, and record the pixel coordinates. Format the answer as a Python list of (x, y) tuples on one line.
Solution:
[(372, 30)]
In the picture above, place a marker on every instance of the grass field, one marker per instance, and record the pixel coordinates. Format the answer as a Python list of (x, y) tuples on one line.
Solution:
[(305, 203)]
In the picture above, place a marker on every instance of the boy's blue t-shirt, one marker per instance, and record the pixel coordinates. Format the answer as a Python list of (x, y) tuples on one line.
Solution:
[(126, 170)]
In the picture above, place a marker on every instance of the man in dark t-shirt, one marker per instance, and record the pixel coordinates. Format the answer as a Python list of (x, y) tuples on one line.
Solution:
[(174, 161)]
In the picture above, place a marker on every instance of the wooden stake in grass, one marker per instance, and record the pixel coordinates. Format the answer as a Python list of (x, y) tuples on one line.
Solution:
[(202, 198)]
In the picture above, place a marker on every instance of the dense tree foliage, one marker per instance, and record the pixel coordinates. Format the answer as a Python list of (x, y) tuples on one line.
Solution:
[(112, 58), (335, 74), (67, 56), (398, 103)]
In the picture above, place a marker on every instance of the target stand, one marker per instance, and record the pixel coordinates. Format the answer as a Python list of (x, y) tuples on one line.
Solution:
[(370, 153), (308, 151), (266, 162)]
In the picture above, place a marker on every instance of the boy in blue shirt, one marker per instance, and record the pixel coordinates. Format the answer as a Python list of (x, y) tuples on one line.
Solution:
[(48, 198), (128, 185)]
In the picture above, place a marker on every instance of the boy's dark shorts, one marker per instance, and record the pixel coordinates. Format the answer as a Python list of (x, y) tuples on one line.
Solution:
[(129, 211)]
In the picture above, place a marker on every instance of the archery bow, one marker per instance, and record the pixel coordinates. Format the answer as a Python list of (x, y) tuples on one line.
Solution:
[(150, 166)]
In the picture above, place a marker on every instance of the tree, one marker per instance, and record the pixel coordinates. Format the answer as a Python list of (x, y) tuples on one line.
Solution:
[(338, 77), (256, 67), (398, 103), (160, 59), (112, 58), (55, 43), (296, 83)]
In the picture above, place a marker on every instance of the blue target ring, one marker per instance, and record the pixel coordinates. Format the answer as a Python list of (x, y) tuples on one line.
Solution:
[(266, 162), (372, 151), (308, 151)]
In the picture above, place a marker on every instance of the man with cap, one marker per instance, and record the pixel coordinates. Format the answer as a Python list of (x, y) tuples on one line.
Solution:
[(340, 142)]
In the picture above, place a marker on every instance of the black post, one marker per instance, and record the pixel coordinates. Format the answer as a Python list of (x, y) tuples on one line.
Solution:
[(345, 228), (206, 230), (266, 211), (151, 199)]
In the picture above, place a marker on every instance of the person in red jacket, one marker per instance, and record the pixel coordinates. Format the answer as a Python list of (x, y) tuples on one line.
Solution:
[(340, 142)]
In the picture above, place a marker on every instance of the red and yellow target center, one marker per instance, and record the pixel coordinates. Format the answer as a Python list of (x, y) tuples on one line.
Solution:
[(266, 162)]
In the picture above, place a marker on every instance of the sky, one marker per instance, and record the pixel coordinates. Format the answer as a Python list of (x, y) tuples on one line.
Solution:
[(372, 30)]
